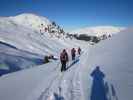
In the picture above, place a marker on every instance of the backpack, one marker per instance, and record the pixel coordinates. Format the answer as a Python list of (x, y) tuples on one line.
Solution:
[(64, 56)]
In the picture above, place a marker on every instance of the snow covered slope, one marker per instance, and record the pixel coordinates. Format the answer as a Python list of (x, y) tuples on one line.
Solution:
[(46, 82), (31, 20), (98, 30), (13, 59), (81, 81), (22, 32), (22, 35), (114, 56), (41, 83)]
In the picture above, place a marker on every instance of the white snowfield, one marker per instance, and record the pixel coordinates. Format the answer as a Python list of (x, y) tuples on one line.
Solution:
[(82, 80), (98, 30), (115, 60), (46, 82)]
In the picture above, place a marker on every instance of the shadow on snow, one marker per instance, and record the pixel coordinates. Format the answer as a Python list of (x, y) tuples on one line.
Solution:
[(74, 62), (101, 90), (57, 97)]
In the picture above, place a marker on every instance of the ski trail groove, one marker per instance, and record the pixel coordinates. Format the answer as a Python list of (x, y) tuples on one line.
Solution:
[(64, 86), (45, 93), (76, 86)]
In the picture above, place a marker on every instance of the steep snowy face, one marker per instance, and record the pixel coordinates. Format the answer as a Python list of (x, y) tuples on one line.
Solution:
[(31, 21), (99, 30)]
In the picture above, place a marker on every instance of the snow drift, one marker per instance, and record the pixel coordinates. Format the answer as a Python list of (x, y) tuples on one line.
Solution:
[(13, 59)]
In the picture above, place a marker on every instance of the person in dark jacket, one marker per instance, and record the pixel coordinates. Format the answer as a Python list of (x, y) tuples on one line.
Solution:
[(79, 50), (73, 53), (63, 59)]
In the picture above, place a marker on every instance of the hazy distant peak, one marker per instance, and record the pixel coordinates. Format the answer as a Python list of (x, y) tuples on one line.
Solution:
[(99, 30)]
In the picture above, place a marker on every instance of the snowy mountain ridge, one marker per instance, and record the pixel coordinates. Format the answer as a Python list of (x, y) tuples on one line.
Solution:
[(98, 30), (30, 20), (22, 33)]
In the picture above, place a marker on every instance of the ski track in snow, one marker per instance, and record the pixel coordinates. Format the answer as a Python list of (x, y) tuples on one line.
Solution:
[(64, 86)]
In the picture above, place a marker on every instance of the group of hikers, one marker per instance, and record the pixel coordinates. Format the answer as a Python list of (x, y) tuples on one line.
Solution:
[(64, 57)]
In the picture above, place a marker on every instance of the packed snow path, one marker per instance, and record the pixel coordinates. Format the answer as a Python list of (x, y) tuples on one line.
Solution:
[(65, 86), (47, 82)]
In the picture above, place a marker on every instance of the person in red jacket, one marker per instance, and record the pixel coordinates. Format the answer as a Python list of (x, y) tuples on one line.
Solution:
[(73, 53), (63, 59)]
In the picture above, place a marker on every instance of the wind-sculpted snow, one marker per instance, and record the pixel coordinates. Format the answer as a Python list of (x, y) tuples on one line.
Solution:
[(13, 59)]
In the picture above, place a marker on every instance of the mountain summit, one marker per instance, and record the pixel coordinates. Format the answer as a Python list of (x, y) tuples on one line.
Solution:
[(31, 20)]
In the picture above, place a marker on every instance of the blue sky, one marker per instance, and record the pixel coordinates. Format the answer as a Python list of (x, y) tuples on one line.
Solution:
[(72, 14)]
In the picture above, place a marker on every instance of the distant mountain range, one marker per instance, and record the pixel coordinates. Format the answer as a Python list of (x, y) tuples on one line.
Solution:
[(98, 30)]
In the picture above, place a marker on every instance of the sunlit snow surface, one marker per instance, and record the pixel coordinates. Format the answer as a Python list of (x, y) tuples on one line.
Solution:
[(112, 82), (115, 60)]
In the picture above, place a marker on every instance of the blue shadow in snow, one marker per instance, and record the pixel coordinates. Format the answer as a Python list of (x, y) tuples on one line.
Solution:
[(11, 46), (98, 90), (114, 92), (74, 62), (2, 72), (57, 97), (14, 63)]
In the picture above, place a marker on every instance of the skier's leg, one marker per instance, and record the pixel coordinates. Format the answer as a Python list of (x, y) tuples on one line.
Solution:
[(72, 57), (65, 66), (61, 66)]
